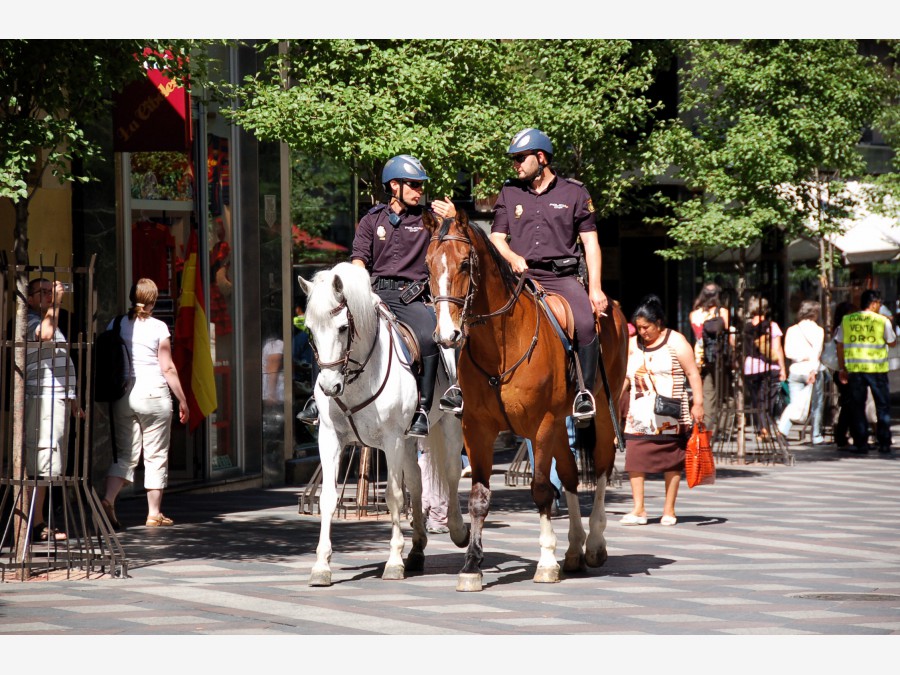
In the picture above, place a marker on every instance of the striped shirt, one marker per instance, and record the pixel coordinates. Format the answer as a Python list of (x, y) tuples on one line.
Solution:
[(49, 372)]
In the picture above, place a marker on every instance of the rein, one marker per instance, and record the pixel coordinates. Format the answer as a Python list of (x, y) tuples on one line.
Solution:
[(465, 321), (349, 412), (345, 361)]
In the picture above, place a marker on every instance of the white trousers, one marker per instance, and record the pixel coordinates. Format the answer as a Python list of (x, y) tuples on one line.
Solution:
[(143, 422), (46, 435)]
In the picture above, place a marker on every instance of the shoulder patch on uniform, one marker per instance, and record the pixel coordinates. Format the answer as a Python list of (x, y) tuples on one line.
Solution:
[(577, 182), (377, 208)]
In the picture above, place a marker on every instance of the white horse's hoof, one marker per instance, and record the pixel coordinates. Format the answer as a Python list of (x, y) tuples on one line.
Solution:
[(393, 573), (574, 563), (596, 558), (469, 582), (547, 575), (320, 578), (415, 561)]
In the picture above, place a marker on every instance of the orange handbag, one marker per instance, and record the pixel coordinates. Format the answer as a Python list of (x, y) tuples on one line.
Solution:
[(699, 465)]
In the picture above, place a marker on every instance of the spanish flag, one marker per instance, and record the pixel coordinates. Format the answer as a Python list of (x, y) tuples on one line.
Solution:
[(190, 351)]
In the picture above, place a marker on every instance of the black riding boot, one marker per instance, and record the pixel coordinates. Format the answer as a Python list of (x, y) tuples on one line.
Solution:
[(310, 413), (583, 409), (426, 380)]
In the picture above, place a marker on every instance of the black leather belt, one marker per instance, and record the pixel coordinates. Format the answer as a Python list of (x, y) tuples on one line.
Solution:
[(387, 283)]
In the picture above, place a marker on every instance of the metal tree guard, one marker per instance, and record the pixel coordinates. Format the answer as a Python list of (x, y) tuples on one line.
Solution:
[(91, 547)]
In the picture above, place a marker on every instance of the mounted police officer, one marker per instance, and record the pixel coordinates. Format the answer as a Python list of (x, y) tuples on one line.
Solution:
[(391, 243), (543, 215)]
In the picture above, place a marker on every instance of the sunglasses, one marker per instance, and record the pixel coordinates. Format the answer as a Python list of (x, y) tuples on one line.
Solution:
[(415, 184), (518, 159)]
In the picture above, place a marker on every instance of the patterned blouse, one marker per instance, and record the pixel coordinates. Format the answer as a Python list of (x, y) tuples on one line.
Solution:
[(655, 371)]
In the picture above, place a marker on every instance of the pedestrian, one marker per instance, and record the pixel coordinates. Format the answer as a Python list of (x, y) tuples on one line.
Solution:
[(659, 360), (391, 243), (844, 423), (710, 323), (543, 215), (803, 344), (764, 368), (50, 398), (143, 417), (863, 339)]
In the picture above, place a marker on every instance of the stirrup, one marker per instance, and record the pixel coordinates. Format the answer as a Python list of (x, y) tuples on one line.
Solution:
[(583, 418), (306, 415), (448, 402), (419, 433)]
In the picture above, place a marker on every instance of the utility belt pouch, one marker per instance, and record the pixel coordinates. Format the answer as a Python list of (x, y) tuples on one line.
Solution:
[(411, 292), (564, 267)]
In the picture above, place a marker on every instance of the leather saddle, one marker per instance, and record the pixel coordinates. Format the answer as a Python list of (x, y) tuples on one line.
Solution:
[(413, 352), (558, 310)]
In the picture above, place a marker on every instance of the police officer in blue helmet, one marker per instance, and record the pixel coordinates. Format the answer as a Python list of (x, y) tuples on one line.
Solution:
[(539, 218), (391, 243)]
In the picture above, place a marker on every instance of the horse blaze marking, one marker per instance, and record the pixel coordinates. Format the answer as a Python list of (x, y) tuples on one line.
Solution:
[(445, 327)]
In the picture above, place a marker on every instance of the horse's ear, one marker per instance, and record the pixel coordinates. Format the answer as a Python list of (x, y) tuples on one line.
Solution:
[(305, 286), (462, 217), (429, 221), (338, 286)]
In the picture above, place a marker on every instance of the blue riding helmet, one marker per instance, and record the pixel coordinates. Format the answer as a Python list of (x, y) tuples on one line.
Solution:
[(403, 167), (530, 139)]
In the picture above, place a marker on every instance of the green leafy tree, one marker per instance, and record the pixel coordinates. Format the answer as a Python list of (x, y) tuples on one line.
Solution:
[(764, 123), (455, 104)]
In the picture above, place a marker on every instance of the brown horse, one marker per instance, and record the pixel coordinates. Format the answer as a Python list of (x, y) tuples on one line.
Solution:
[(513, 375)]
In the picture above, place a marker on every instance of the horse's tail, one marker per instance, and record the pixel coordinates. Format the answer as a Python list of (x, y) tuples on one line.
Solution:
[(585, 441)]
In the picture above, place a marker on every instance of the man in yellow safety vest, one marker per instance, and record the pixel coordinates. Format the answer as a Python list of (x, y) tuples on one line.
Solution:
[(862, 340)]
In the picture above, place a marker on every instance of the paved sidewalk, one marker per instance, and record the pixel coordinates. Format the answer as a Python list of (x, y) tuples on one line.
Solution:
[(769, 550)]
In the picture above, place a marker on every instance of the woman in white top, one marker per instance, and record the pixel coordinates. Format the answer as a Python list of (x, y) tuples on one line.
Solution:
[(143, 417), (803, 344)]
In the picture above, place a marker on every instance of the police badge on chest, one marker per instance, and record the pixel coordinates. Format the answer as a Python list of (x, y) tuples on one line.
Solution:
[(381, 232)]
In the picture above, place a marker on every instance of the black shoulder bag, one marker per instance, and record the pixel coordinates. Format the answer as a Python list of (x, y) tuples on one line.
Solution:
[(664, 406)]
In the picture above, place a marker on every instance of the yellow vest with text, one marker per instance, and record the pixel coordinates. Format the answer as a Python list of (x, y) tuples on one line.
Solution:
[(865, 350)]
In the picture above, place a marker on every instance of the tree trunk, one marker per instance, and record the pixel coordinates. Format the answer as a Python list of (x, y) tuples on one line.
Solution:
[(20, 494), (740, 316)]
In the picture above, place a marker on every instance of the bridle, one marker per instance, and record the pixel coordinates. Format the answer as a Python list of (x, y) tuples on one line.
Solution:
[(465, 302), (351, 375), (345, 361)]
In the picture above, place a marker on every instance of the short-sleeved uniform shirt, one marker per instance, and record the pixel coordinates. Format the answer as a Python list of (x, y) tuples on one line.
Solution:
[(398, 252), (546, 225), (393, 251)]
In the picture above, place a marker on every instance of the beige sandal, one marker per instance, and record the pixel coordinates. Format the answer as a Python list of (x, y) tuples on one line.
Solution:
[(159, 521)]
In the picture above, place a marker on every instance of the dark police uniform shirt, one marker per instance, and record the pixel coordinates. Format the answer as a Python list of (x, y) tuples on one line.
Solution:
[(392, 251), (544, 226)]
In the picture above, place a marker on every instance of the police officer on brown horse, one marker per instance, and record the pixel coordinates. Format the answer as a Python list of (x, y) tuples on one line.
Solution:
[(391, 242), (543, 215)]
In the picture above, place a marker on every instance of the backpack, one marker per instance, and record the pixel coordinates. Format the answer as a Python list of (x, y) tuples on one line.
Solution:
[(710, 339), (112, 365)]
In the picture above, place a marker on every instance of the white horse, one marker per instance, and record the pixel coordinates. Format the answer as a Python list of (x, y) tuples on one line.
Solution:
[(367, 394)]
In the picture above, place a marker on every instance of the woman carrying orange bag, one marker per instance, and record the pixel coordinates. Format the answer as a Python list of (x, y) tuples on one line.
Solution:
[(659, 359)]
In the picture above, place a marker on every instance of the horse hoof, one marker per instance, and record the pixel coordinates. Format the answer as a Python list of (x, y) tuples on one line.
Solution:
[(320, 578), (468, 582), (596, 558), (546, 575), (574, 563), (415, 562), (393, 573)]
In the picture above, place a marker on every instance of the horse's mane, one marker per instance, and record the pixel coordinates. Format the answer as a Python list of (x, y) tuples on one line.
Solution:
[(357, 292)]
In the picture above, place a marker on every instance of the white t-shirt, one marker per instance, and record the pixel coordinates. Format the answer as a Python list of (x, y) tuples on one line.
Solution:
[(142, 337)]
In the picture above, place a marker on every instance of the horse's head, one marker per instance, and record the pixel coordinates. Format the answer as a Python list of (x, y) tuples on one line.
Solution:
[(340, 316), (452, 275)]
